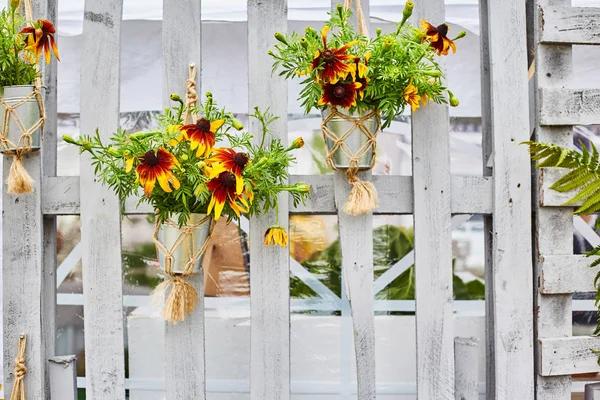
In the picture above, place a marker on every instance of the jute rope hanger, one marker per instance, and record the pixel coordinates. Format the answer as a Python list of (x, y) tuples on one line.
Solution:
[(18, 392), (19, 181)]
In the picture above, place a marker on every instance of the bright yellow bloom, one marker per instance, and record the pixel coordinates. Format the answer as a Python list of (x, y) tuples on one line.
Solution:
[(411, 96), (156, 166), (276, 235)]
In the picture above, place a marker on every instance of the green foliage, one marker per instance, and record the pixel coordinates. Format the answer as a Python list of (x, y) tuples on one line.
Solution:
[(395, 61), (17, 66), (390, 245)]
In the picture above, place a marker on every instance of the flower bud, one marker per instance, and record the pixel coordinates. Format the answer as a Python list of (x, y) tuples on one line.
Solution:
[(209, 95), (433, 72), (281, 37), (270, 52), (304, 42), (453, 99), (310, 31), (387, 44), (378, 32), (127, 153), (184, 157), (296, 144), (175, 97), (14, 4), (461, 34), (303, 188), (140, 135), (114, 152), (408, 9), (86, 145), (237, 124), (69, 139)]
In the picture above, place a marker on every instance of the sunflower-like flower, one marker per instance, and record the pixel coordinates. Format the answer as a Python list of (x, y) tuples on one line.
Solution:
[(436, 35), (41, 37), (276, 235), (223, 190), (227, 159), (201, 134), (411, 96), (358, 70), (332, 60), (339, 94), (157, 167)]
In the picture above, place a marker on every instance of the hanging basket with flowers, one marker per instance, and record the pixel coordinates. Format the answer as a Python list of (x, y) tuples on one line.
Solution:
[(356, 81), (22, 112), (197, 167)]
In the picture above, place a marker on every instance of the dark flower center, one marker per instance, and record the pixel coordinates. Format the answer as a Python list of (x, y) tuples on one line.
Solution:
[(150, 158), (203, 125), (227, 180), (240, 159), (328, 55), (339, 91), (356, 60), (442, 29)]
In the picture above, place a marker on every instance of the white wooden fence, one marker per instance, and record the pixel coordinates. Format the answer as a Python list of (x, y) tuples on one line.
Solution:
[(432, 195)]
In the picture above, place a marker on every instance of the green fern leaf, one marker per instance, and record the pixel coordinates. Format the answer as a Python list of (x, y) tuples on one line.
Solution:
[(586, 192), (573, 180)]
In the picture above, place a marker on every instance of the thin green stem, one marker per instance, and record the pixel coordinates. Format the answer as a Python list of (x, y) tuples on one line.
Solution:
[(16, 55)]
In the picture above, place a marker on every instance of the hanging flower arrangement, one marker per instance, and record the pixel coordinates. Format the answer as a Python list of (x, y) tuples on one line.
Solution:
[(22, 114), (355, 80), (197, 167)]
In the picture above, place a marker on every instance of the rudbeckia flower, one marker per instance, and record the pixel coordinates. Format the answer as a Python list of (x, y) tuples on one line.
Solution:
[(277, 236), (229, 160), (223, 189), (41, 36), (202, 135), (437, 37), (358, 70), (332, 60), (339, 94), (157, 167), (411, 96)]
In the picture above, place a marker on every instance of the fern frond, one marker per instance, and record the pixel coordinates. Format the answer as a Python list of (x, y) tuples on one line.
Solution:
[(574, 179)]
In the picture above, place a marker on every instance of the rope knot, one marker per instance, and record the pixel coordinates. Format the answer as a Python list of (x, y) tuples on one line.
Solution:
[(20, 368)]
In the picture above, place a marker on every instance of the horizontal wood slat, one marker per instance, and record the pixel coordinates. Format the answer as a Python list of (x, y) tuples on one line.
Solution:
[(548, 197), (573, 25), (562, 274), (470, 195), (566, 106), (568, 355)]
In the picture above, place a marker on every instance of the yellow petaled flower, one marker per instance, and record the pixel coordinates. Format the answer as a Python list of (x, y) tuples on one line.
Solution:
[(40, 37), (157, 167), (411, 96), (436, 35), (201, 135), (297, 144), (276, 235)]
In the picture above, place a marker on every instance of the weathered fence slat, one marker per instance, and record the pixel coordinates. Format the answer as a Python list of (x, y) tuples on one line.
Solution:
[(554, 226), (62, 373), (100, 217), (562, 274), (269, 266), (512, 280), (568, 355), (574, 25), (465, 368), (470, 195), (565, 106), (185, 375), (433, 240)]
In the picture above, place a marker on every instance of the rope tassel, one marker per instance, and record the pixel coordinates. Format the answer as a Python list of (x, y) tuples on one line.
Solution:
[(181, 300), (18, 392), (362, 198), (18, 180)]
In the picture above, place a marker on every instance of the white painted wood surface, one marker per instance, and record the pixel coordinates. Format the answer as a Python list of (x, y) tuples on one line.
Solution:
[(433, 240), (574, 25), (100, 218), (554, 226), (565, 106), (470, 195), (567, 274), (269, 266), (62, 372), (592, 391), (568, 355), (466, 378), (185, 372), (512, 268)]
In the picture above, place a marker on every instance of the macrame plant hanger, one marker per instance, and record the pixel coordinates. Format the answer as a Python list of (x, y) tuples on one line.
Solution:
[(19, 181), (18, 392), (182, 298), (363, 195)]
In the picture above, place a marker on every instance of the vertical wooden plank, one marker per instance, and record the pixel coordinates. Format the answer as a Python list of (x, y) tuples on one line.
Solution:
[(592, 391), (62, 374), (269, 266), (554, 226), (356, 241), (465, 368), (184, 342), (100, 211), (512, 267), (433, 239)]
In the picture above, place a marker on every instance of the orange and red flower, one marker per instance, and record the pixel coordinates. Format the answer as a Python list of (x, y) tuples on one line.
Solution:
[(332, 60), (202, 135), (436, 35), (41, 37), (358, 70), (223, 190), (411, 95), (227, 159), (157, 167), (339, 94)]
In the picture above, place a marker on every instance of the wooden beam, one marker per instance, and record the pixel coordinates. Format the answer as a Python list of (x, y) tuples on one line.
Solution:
[(62, 373), (570, 25), (568, 355), (562, 274), (466, 359), (565, 106), (100, 216)]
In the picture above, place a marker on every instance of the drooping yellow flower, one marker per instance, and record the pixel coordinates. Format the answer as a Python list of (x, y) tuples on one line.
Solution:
[(40, 37), (436, 35), (276, 235), (411, 96)]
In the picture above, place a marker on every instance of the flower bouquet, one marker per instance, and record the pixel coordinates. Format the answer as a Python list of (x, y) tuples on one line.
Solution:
[(355, 80), (191, 183), (21, 104)]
